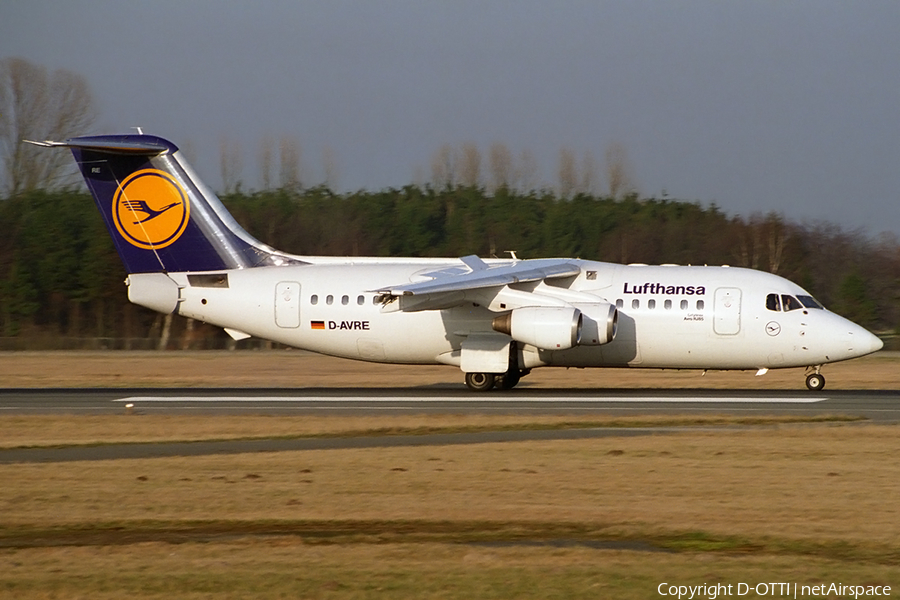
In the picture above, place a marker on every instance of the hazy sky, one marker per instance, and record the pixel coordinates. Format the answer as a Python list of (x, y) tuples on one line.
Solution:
[(788, 106)]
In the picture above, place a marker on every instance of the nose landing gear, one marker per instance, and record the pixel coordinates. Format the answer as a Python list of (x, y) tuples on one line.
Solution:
[(815, 381)]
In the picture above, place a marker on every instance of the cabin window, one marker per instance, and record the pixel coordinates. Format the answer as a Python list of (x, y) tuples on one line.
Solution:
[(314, 299), (668, 304), (773, 303), (651, 303), (376, 299), (345, 300), (329, 299), (810, 302), (684, 304), (360, 300), (700, 304), (620, 303), (635, 304), (790, 303)]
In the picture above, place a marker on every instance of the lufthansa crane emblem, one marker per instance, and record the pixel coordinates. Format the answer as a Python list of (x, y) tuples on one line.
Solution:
[(150, 209)]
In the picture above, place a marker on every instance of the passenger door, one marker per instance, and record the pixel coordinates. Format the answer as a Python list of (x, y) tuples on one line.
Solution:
[(727, 317), (287, 304)]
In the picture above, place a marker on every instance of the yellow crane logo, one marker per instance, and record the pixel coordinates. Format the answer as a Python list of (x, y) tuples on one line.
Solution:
[(150, 209)]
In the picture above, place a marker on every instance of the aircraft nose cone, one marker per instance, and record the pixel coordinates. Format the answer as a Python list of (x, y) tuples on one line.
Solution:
[(875, 343), (863, 342)]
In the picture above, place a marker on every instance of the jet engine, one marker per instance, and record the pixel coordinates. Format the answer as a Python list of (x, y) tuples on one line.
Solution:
[(601, 320), (560, 328), (545, 327)]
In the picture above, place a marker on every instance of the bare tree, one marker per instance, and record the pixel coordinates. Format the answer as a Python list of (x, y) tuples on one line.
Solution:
[(35, 105), (618, 170), (231, 163), (567, 173), (589, 174), (470, 165), (749, 242), (290, 163), (265, 162), (501, 165), (760, 237), (777, 238), (443, 167)]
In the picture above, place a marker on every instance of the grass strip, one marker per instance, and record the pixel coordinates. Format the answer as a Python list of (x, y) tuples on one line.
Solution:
[(688, 421), (499, 533)]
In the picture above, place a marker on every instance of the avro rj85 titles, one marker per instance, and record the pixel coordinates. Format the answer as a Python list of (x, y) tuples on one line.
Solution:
[(494, 319)]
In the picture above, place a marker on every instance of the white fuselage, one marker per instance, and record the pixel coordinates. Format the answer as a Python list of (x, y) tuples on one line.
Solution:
[(668, 316)]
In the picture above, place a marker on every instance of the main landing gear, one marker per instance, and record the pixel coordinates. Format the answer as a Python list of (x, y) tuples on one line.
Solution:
[(508, 380), (480, 382), (484, 382)]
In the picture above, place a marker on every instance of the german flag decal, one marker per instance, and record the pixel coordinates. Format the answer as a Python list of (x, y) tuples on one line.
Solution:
[(317, 324)]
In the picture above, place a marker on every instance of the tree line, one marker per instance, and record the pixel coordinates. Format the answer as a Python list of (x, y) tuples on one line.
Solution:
[(60, 278)]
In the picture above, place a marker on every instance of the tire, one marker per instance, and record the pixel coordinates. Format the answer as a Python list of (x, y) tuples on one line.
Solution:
[(815, 382), (508, 380), (480, 382)]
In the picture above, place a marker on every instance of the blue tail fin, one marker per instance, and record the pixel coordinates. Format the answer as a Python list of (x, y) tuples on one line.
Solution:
[(158, 212)]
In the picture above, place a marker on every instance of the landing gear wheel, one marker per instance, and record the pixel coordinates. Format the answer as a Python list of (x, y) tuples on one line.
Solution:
[(480, 382), (815, 382), (508, 380)]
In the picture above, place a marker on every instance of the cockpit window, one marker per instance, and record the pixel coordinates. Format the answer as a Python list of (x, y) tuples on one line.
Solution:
[(787, 303), (810, 302), (790, 303)]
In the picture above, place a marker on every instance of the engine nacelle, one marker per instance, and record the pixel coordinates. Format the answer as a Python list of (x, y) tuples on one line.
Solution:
[(601, 320), (545, 327)]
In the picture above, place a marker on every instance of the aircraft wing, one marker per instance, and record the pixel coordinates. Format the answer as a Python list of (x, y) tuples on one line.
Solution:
[(450, 289)]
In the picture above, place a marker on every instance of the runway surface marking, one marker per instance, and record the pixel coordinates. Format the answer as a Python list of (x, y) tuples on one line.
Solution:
[(457, 399)]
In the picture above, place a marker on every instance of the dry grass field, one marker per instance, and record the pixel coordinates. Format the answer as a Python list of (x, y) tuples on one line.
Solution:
[(611, 517), (723, 501), (298, 369)]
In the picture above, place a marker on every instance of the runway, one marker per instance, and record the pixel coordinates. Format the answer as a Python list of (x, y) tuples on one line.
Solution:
[(878, 405)]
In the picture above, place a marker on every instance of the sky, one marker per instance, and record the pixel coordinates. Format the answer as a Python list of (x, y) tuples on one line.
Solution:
[(766, 106)]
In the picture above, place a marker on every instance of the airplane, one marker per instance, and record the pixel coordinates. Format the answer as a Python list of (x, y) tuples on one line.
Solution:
[(494, 319)]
